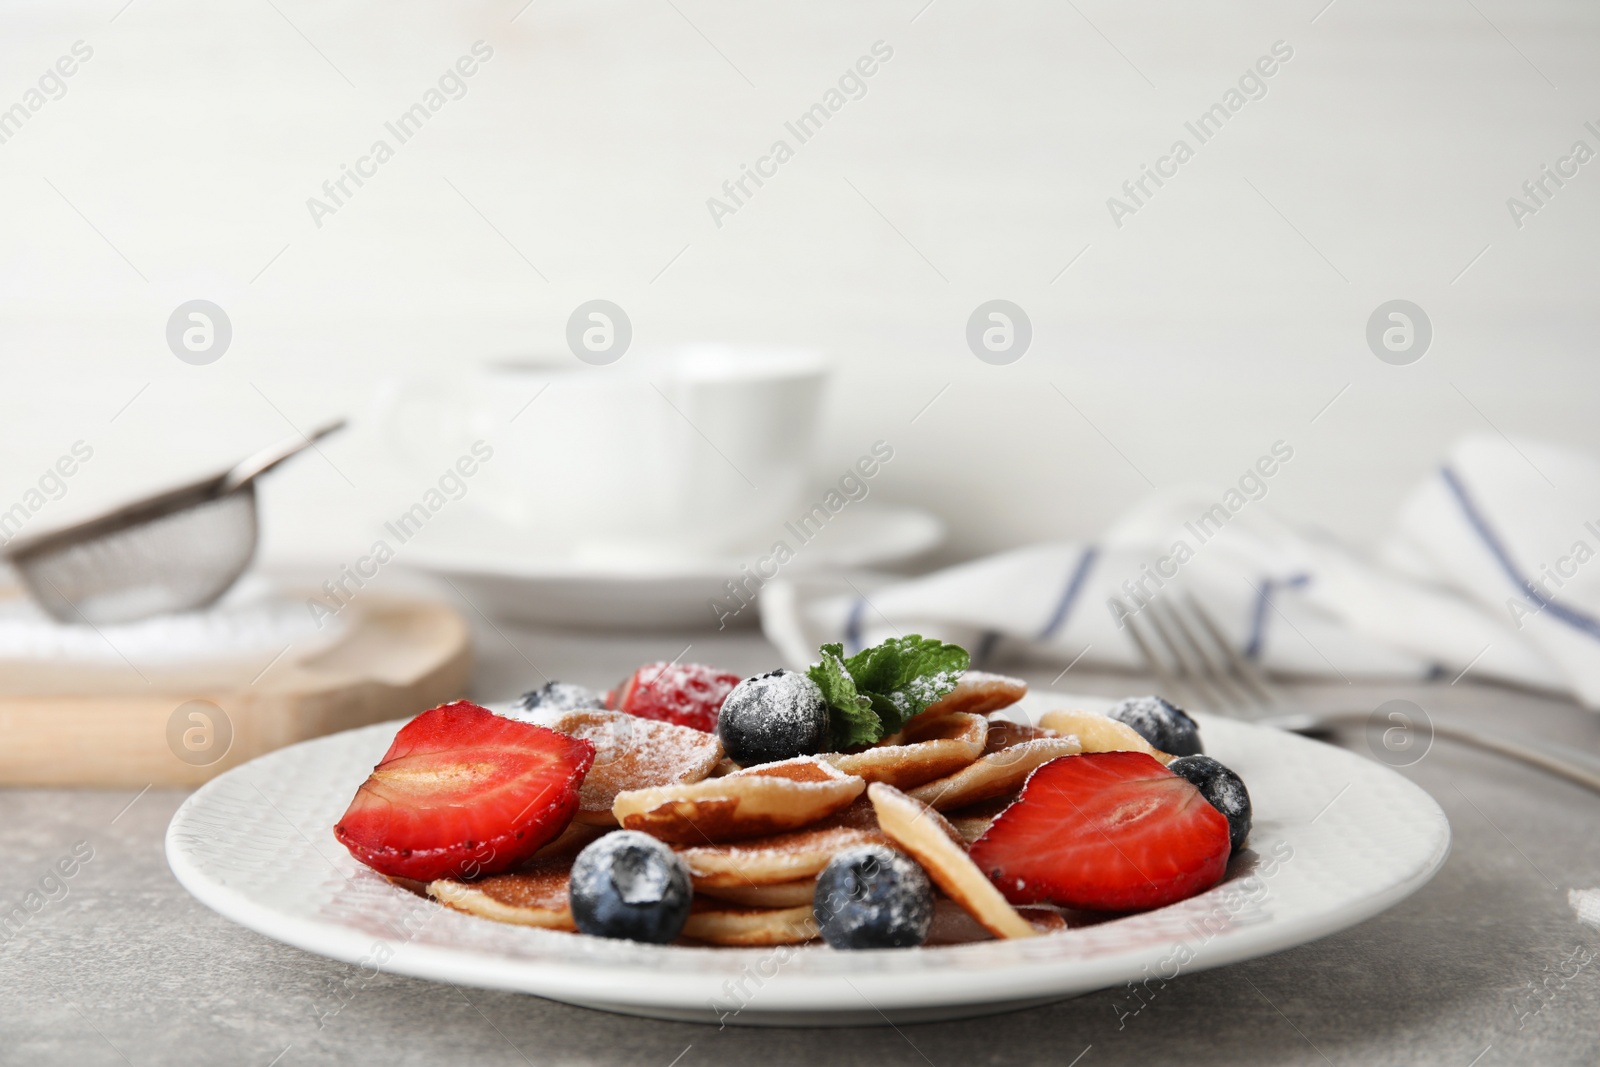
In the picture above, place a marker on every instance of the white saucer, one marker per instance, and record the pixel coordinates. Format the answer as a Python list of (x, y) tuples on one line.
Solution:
[(1337, 839), (504, 578)]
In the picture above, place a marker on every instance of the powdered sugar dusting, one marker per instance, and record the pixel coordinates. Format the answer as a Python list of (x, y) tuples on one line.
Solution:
[(773, 714), (926, 688), (559, 696), (252, 621), (630, 752)]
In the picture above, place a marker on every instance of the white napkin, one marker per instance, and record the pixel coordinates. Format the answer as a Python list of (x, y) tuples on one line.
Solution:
[(1494, 569)]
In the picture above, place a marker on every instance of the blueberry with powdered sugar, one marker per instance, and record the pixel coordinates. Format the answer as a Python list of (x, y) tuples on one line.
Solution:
[(629, 885), (873, 897), (1160, 722), (1223, 789), (772, 717), (559, 696)]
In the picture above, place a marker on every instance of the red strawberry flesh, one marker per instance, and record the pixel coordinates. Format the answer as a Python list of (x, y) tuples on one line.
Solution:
[(687, 694), (464, 792), (1105, 831)]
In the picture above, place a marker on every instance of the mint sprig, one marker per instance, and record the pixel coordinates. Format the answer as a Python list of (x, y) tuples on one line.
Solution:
[(875, 692), (851, 718)]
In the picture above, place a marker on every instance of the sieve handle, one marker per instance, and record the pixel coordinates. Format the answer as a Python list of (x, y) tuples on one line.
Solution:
[(255, 466)]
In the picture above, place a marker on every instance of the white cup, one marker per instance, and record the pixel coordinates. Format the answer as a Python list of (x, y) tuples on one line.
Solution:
[(691, 453)]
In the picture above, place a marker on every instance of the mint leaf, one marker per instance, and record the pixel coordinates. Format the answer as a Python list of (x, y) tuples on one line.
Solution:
[(851, 718), (904, 675)]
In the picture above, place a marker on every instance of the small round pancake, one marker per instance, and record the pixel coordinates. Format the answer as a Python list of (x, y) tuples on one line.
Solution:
[(768, 799), (799, 769), (782, 895), (1100, 733), (977, 692), (995, 774), (774, 860), (926, 750), (925, 835), (971, 822), (1003, 733), (536, 895), (717, 923), (860, 815), (633, 753)]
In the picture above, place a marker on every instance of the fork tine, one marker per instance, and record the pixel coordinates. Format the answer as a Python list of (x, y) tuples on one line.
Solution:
[(1215, 674), (1194, 678), (1175, 683), (1249, 675), (1153, 661)]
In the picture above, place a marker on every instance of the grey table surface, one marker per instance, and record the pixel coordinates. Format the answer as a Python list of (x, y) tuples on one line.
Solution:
[(1488, 964)]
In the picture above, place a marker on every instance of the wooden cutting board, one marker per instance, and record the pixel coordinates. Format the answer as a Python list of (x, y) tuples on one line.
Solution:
[(104, 725)]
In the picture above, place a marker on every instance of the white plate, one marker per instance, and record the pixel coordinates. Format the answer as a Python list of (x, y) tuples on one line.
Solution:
[(502, 577), (1337, 839)]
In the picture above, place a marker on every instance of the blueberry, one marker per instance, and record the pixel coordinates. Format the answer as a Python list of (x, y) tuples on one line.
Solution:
[(773, 717), (1161, 723), (1224, 789), (873, 897), (559, 696), (629, 885)]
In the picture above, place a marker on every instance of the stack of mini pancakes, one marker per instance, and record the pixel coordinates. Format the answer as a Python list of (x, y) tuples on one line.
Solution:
[(755, 838)]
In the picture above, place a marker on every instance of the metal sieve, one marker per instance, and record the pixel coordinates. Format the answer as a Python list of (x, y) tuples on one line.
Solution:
[(175, 551)]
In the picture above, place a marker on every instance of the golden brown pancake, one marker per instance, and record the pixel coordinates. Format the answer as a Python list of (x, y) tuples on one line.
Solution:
[(1100, 733), (717, 923), (757, 801), (925, 835), (1003, 733), (971, 822), (995, 774), (564, 849), (799, 769), (782, 895), (774, 860), (925, 750), (536, 895), (634, 753), (860, 815)]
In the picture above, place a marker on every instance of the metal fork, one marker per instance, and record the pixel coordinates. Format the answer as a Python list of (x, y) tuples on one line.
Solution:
[(1187, 651)]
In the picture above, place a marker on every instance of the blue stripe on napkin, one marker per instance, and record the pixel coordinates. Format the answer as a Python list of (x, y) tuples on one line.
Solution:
[(1258, 621), (1578, 620), (1070, 594), (852, 627)]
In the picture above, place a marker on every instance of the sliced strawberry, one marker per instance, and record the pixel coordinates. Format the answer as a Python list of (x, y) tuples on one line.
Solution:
[(1105, 831), (463, 792), (688, 694)]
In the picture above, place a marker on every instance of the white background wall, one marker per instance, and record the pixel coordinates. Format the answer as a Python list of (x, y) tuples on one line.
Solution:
[(1221, 317)]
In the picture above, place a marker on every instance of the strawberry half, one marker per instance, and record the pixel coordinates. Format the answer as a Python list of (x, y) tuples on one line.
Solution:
[(687, 694), (1105, 831), (463, 792)]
